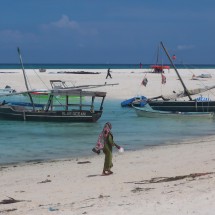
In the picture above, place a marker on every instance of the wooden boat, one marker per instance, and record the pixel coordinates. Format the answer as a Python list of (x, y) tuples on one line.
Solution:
[(62, 112), (174, 105), (183, 106), (159, 68), (147, 111), (67, 110)]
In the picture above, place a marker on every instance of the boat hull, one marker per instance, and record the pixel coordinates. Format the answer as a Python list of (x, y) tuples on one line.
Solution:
[(144, 112), (13, 113), (183, 106)]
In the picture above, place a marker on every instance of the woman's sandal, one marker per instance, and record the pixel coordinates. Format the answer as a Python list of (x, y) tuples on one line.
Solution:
[(108, 172)]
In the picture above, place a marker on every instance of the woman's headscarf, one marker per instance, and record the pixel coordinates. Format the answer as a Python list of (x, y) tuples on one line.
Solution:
[(107, 129), (103, 135)]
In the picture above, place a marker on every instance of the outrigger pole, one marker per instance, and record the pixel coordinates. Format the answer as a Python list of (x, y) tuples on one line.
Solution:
[(26, 83), (185, 88)]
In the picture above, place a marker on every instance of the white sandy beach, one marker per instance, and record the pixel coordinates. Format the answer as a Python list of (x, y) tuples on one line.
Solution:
[(76, 186), (67, 187), (129, 80)]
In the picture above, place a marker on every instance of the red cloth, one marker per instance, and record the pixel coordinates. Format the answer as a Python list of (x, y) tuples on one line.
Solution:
[(163, 79)]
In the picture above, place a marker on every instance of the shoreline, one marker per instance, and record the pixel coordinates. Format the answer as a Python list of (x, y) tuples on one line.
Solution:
[(192, 140), (53, 186)]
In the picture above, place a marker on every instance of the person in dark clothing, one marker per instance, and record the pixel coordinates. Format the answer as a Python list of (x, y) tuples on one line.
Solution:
[(108, 74)]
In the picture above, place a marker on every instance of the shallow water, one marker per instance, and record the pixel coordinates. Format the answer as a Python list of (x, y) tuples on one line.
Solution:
[(29, 141)]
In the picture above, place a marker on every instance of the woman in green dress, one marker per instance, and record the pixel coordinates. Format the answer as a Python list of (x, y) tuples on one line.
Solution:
[(107, 149)]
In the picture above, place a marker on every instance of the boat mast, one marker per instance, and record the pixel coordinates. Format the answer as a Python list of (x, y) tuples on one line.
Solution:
[(26, 83), (158, 55), (185, 88), (23, 70)]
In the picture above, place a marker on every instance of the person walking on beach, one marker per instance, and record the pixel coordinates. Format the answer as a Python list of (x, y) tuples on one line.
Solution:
[(108, 74), (105, 142), (107, 150)]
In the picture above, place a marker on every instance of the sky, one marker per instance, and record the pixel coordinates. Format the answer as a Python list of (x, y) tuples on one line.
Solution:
[(113, 31)]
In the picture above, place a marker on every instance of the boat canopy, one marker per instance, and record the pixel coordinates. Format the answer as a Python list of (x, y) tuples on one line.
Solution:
[(61, 92), (77, 92)]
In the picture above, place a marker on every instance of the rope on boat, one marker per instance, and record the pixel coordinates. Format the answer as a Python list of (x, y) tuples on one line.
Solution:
[(202, 83), (40, 79)]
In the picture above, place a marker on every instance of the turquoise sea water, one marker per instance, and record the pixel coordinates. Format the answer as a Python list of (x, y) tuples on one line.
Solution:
[(33, 141)]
